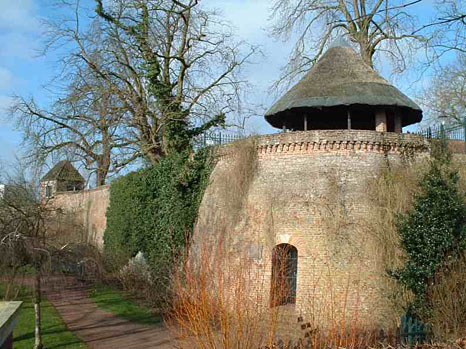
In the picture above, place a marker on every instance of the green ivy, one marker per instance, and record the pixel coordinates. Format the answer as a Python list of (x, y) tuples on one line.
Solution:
[(433, 232), (154, 209)]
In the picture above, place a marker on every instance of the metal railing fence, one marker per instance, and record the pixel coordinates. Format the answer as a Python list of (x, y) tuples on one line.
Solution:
[(216, 138), (457, 132)]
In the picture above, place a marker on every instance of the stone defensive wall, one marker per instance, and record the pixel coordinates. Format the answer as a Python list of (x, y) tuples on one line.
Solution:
[(87, 208), (307, 189)]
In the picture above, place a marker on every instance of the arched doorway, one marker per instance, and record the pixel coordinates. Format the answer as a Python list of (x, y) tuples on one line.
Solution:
[(284, 275)]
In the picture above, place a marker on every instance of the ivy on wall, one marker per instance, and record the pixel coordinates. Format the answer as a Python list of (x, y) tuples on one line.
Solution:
[(154, 209)]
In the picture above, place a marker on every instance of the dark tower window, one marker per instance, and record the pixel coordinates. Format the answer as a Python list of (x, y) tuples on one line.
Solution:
[(48, 191), (390, 120), (284, 275), (70, 187)]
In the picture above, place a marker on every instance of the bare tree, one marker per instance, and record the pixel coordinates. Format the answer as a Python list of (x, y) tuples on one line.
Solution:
[(22, 238), (173, 66), (31, 236), (85, 125), (450, 26), (379, 25), (446, 94)]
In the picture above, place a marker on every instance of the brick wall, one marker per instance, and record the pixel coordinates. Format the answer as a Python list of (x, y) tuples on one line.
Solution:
[(456, 146), (88, 208), (310, 190)]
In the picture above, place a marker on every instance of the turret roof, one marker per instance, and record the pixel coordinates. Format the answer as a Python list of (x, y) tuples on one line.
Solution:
[(65, 171), (342, 78)]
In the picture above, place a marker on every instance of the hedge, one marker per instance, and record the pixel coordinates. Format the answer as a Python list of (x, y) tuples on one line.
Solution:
[(154, 209)]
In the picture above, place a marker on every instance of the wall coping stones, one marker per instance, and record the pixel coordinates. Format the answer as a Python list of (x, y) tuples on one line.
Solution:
[(337, 140), (8, 318), (77, 192)]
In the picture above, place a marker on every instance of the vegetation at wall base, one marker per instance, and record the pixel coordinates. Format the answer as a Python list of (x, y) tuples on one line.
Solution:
[(55, 334), (433, 233), (121, 304)]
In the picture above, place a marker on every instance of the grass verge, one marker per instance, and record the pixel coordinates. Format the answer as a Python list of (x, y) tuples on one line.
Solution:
[(122, 305), (55, 334)]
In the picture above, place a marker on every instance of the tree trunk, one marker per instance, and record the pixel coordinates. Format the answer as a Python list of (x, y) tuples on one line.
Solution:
[(367, 52), (101, 175), (37, 315)]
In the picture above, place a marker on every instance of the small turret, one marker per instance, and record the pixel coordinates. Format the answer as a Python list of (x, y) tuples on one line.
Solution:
[(62, 177), (342, 92)]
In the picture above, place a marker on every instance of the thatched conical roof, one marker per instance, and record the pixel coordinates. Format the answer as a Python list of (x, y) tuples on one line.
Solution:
[(341, 78), (63, 171)]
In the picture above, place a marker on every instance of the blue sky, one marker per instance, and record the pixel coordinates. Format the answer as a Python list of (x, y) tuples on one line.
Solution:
[(23, 71)]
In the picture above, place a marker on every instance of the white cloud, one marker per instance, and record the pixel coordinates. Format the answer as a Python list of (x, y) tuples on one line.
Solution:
[(19, 28), (18, 15), (249, 17), (5, 79), (5, 103), (18, 45)]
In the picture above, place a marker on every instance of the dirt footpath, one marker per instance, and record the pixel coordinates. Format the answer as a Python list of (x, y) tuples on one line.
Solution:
[(98, 328)]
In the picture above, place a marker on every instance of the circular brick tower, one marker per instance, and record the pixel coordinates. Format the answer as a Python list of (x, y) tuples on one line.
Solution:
[(304, 194)]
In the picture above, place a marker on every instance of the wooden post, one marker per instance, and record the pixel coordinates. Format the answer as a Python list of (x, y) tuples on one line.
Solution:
[(305, 122), (398, 123), (349, 119)]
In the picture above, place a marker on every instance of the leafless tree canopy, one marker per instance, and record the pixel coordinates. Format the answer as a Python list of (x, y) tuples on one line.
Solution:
[(22, 238), (450, 27), (446, 95), (146, 77), (373, 25), (84, 125)]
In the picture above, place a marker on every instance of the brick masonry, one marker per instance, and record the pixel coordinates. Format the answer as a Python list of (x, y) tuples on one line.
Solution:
[(309, 190), (88, 208)]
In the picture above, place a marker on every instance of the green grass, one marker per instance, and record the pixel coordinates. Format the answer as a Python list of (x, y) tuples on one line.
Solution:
[(55, 334), (120, 304)]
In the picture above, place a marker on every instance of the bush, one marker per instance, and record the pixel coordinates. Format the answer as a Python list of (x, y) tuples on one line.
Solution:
[(139, 279), (433, 233), (220, 300), (153, 210)]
